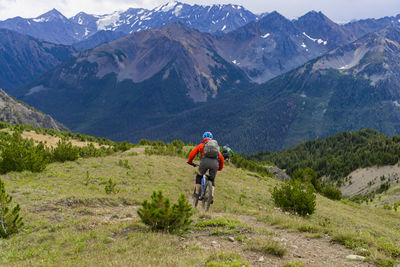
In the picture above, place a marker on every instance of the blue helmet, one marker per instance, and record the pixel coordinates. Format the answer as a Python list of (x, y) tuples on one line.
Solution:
[(207, 135)]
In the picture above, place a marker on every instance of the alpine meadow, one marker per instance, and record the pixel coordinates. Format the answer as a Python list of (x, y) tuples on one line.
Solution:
[(198, 135)]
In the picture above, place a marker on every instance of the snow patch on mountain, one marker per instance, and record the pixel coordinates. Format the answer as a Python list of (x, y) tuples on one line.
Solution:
[(39, 20), (396, 102), (178, 10), (107, 21), (169, 6), (319, 41)]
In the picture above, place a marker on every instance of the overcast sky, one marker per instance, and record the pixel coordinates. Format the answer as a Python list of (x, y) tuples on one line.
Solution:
[(337, 10)]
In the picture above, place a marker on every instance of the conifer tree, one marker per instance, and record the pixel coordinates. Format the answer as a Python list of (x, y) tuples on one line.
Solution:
[(10, 221), (161, 216)]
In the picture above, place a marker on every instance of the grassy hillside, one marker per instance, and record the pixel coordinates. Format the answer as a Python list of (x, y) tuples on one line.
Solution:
[(70, 220)]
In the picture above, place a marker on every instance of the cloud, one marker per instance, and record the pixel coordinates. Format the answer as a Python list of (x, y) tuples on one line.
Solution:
[(31, 9)]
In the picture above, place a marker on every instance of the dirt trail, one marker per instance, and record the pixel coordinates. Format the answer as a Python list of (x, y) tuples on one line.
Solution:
[(309, 251), (314, 252)]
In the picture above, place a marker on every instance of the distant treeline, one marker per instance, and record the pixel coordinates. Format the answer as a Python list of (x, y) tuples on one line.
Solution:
[(19, 154), (63, 134), (338, 155)]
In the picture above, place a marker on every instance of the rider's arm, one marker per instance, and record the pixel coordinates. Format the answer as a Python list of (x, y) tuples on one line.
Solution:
[(194, 152), (220, 162)]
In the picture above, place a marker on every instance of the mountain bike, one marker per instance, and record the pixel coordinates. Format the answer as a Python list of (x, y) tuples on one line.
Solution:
[(205, 195)]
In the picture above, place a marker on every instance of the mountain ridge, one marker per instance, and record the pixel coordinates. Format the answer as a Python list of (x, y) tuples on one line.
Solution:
[(23, 58), (17, 112), (48, 26)]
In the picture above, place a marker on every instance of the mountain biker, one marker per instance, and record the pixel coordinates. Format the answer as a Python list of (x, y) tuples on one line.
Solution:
[(212, 164), (227, 153)]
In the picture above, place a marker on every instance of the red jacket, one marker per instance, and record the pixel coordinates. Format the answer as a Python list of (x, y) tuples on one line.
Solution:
[(200, 148)]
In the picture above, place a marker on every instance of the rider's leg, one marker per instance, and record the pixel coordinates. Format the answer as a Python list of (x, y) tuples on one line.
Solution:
[(198, 183)]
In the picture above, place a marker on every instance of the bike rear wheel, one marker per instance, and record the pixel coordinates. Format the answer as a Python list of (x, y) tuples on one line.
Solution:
[(207, 198)]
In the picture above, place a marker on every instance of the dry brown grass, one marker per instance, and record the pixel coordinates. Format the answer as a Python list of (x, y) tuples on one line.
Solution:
[(51, 141)]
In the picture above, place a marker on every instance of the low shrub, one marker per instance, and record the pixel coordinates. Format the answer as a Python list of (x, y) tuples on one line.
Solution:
[(10, 221), (176, 148), (110, 187), (64, 151), (123, 146), (161, 216), (332, 192), (19, 154), (291, 197), (144, 142), (243, 163), (308, 175)]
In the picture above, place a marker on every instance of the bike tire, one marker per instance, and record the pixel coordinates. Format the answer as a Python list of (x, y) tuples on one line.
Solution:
[(207, 198), (195, 199)]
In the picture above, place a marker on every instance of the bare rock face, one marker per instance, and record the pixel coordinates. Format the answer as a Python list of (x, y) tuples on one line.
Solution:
[(16, 112)]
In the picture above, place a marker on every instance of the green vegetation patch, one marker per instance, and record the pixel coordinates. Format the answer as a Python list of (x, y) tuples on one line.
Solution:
[(160, 215), (226, 260), (294, 264), (267, 245), (293, 198), (223, 226)]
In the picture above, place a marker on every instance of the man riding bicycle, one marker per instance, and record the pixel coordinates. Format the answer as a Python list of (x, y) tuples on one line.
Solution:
[(211, 160), (227, 153)]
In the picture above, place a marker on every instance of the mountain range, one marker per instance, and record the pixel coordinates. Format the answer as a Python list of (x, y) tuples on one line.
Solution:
[(352, 87), (153, 75), (268, 84), (55, 27)]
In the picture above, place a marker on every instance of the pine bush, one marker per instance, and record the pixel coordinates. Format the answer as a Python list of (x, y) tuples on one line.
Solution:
[(291, 197), (332, 193), (65, 151), (10, 221), (19, 154), (161, 216)]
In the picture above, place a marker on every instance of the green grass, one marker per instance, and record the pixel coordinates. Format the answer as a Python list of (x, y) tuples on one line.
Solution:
[(226, 260), (268, 246), (70, 220), (350, 224), (223, 226)]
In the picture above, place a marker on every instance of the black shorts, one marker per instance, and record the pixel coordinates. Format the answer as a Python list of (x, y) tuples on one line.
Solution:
[(210, 165)]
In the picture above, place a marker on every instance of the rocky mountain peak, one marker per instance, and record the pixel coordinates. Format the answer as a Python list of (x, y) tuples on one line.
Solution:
[(275, 22), (51, 15)]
